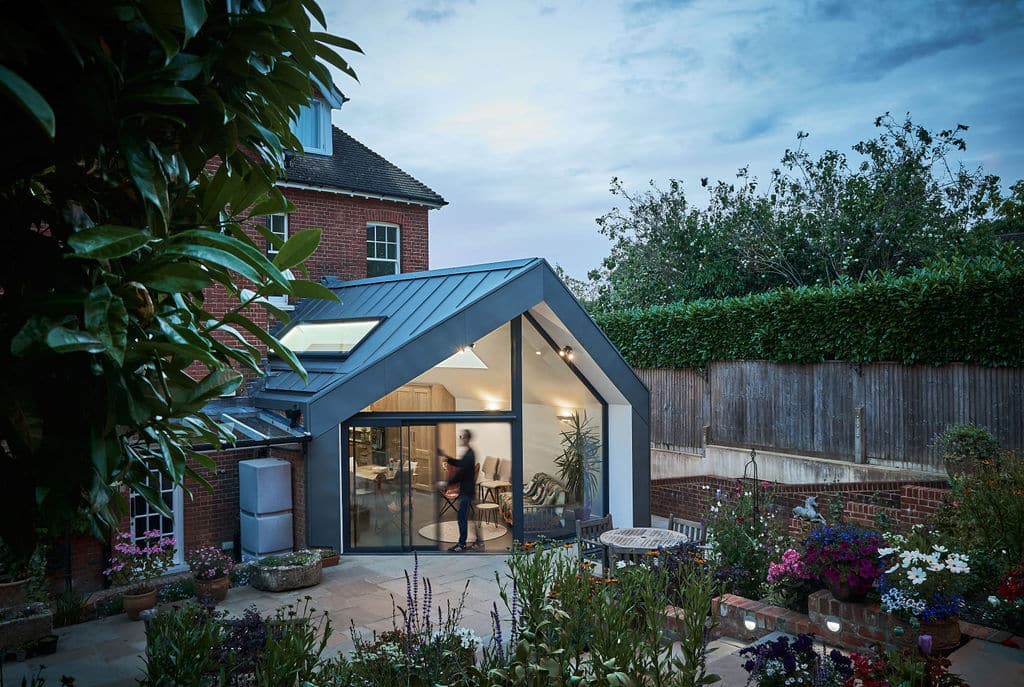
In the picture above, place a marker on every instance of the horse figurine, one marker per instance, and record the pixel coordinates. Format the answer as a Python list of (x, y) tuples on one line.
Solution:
[(809, 511)]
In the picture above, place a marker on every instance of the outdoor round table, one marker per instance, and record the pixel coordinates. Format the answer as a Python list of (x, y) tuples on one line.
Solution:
[(641, 539)]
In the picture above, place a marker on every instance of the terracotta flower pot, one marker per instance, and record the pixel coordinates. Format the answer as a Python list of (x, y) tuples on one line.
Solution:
[(841, 591), (134, 604), (945, 634), (214, 590)]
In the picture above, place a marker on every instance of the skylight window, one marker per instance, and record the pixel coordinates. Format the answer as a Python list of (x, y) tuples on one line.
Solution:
[(465, 359), (327, 337)]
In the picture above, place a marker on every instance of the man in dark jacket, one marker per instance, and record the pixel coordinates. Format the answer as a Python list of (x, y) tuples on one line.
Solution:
[(465, 477)]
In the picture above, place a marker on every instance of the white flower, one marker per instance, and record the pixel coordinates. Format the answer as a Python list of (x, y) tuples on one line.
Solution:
[(916, 575), (939, 549), (887, 552), (957, 566), (893, 569), (994, 600)]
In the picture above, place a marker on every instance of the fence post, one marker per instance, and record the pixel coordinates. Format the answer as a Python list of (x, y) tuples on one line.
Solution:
[(860, 454)]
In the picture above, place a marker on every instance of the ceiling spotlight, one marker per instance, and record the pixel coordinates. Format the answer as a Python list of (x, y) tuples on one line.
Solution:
[(539, 353), (467, 349), (567, 353)]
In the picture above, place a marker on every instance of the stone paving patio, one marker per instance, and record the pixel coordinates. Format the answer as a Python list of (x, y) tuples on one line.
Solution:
[(107, 652)]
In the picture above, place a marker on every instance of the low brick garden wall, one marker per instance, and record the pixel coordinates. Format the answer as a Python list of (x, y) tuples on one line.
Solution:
[(905, 503), (861, 625)]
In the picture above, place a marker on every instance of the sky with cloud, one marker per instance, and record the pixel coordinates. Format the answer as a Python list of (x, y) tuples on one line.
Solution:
[(520, 113)]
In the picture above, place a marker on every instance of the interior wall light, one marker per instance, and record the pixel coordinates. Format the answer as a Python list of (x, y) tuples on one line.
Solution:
[(833, 624), (567, 354), (749, 621)]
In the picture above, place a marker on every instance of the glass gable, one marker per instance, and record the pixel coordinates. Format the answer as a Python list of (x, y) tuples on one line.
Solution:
[(563, 435)]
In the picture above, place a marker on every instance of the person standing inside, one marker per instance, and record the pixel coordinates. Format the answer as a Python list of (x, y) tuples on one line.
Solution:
[(465, 477)]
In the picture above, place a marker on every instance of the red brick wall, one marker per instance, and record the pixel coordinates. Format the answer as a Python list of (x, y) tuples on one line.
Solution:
[(88, 559), (212, 518), (906, 503), (294, 455), (342, 251)]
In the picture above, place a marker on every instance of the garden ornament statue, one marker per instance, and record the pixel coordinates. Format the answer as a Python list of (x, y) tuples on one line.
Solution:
[(809, 511)]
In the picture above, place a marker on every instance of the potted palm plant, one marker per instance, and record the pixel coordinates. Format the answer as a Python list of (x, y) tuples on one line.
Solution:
[(580, 461)]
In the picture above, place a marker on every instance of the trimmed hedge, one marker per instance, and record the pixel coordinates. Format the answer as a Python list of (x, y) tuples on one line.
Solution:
[(971, 312)]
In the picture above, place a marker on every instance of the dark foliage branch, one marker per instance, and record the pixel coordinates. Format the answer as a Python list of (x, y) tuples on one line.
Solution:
[(899, 200), (112, 227)]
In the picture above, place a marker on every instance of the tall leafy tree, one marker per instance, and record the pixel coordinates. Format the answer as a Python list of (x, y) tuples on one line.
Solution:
[(114, 220), (902, 200)]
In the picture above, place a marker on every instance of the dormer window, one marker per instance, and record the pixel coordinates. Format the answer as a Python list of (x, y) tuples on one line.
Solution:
[(313, 127)]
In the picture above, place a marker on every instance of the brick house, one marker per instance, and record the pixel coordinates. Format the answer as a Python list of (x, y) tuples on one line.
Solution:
[(374, 218)]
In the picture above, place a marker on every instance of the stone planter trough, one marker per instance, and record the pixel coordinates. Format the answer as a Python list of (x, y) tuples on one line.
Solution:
[(280, 578), (22, 624)]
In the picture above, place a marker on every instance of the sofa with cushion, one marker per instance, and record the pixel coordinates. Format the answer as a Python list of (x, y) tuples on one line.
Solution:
[(545, 511)]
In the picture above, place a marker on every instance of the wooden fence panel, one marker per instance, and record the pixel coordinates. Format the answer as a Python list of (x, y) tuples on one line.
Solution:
[(678, 407), (811, 409), (797, 408)]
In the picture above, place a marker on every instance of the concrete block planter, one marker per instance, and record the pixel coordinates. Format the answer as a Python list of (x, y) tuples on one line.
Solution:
[(20, 625), (283, 573)]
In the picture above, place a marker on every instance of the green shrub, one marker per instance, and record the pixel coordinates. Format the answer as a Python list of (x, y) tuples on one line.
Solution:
[(192, 644), (965, 448), (965, 311), (986, 510), (744, 538), (556, 639), (182, 648), (69, 608)]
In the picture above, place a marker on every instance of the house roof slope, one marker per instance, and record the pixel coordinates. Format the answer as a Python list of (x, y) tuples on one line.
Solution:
[(354, 167), (425, 317)]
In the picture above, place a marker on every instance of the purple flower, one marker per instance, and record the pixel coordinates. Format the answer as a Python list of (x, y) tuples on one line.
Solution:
[(924, 643)]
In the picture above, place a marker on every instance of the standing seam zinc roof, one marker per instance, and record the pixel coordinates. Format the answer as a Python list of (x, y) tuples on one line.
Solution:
[(411, 304), (354, 167)]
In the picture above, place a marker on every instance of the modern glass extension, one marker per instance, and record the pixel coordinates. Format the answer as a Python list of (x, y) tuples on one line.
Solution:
[(396, 448), (558, 419)]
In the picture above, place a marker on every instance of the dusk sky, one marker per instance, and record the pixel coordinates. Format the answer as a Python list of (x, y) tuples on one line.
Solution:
[(520, 113)]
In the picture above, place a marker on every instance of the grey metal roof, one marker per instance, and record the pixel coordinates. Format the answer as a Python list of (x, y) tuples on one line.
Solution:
[(424, 315), (354, 167)]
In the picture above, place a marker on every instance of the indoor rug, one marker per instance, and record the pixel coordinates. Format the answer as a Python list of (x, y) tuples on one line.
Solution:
[(448, 531)]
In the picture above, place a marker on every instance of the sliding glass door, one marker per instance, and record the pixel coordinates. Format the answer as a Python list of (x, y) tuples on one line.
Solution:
[(392, 471)]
